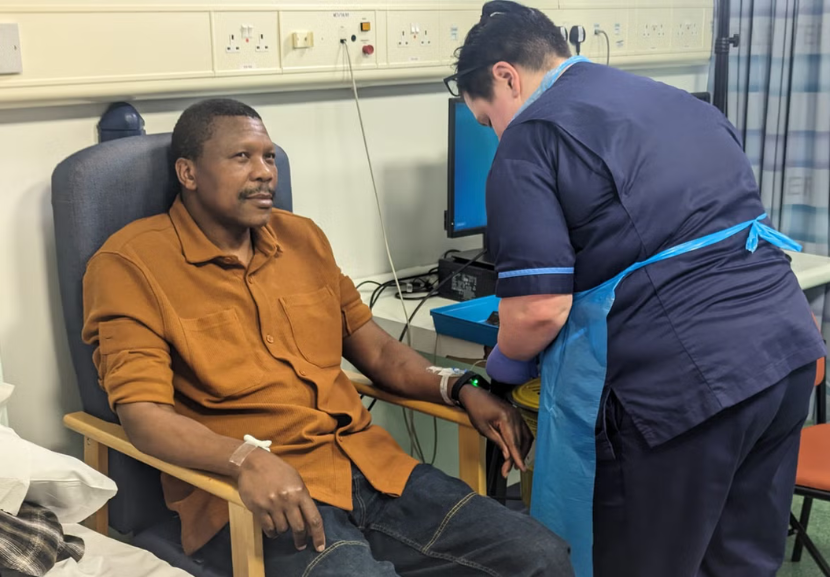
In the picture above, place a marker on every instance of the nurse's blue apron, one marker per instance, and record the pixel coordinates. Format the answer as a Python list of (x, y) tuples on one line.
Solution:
[(573, 377)]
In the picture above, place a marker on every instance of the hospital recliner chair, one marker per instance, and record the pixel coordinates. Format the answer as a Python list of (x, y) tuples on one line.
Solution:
[(96, 192)]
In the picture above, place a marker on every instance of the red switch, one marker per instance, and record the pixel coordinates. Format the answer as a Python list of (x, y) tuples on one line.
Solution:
[(368, 49)]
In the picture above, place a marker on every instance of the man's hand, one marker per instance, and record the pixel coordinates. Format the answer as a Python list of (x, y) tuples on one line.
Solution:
[(270, 488), (277, 496), (499, 422)]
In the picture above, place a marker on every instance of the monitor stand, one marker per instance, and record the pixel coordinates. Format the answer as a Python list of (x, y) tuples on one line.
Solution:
[(484, 261)]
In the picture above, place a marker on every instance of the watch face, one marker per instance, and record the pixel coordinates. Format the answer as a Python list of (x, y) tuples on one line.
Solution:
[(468, 378)]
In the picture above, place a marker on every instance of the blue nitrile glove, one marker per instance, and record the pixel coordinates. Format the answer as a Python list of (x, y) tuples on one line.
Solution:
[(506, 370)]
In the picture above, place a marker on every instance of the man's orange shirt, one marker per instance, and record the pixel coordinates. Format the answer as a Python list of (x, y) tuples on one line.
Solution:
[(253, 350)]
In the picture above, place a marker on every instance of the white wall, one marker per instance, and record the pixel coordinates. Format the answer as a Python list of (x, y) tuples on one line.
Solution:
[(407, 134)]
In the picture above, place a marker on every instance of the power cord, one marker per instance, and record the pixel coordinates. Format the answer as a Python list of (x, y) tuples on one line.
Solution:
[(374, 282), (374, 182), (423, 279), (598, 31)]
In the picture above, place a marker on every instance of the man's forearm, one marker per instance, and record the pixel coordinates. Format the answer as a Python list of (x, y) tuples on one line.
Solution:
[(391, 366), (162, 433), (403, 372)]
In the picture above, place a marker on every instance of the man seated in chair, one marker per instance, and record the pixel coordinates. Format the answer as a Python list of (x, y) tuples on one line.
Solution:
[(226, 317)]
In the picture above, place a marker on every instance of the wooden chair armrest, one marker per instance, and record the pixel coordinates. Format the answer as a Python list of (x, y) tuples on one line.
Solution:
[(471, 445), (444, 412), (246, 533), (113, 436)]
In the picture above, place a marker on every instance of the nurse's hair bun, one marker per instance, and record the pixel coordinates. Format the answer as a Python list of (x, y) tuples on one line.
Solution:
[(499, 7), (507, 32)]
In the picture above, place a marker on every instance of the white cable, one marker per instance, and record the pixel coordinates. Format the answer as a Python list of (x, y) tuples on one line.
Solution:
[(415, 445), (607, 44), (377, 197)]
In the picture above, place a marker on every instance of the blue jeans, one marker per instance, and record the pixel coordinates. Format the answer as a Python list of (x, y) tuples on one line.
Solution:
[(437, 528)]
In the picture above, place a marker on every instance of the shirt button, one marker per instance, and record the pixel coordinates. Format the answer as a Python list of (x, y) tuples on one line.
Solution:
[(250, 280), (269, 338), (302, 373)]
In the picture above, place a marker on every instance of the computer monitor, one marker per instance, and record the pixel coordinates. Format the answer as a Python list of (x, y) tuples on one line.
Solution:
[(471, 151)]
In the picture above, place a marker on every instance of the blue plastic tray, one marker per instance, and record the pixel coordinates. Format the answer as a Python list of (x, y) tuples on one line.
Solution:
[(465, 320)]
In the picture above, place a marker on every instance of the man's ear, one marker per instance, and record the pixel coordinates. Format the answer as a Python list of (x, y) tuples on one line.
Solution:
[(186, 171)]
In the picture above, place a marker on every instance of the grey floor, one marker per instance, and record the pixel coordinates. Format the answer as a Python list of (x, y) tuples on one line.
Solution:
[(819, 530)]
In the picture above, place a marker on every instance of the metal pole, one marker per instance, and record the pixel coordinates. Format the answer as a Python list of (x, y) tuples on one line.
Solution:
[(722, 44)]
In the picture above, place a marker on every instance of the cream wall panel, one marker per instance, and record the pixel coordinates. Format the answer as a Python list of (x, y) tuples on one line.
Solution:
[(118, 49), (75, 47), (454, 27)]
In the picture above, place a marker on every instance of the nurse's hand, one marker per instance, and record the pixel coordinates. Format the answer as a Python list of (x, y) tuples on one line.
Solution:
[(501, 423), (508, 371)]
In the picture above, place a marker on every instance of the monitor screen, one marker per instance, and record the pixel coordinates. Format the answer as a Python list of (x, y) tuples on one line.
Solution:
[(471, 151)]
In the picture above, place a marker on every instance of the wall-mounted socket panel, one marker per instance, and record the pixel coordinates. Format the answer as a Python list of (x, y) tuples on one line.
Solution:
[(89, 50), (652, 30), (320, 34)]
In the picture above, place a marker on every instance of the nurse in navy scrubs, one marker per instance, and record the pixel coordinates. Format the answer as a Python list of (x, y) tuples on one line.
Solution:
[(636, 264)]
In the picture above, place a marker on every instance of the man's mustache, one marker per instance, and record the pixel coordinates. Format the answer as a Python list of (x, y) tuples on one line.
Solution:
[(261, 191)]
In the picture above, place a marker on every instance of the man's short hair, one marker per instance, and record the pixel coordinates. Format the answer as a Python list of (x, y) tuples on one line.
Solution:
[(195, 125)]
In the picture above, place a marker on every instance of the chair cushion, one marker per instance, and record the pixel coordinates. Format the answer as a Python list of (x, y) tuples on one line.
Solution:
[(814, 458), (164, 541)]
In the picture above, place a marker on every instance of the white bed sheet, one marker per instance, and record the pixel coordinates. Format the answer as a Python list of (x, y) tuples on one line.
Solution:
[(107, 557)]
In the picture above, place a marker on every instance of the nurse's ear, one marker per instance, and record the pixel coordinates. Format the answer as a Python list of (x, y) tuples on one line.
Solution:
[(507, 75)]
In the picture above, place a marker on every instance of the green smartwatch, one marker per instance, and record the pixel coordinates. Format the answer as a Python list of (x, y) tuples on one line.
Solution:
[(468, 378)]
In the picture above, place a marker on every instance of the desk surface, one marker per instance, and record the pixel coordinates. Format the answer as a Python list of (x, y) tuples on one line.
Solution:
[(810, 270), (389, 315)]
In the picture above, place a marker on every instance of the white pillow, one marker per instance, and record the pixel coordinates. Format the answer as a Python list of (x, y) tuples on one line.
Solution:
[(6, 391), (14, 471), (68, 487)]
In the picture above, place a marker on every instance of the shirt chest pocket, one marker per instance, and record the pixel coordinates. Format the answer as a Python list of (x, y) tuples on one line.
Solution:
[(316, 326), (220, 355)]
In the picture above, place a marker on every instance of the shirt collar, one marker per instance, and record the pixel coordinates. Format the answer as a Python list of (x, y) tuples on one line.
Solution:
[(549, 80), (198, 248)]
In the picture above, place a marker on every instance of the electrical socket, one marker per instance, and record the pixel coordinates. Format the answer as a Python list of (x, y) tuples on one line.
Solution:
[(415, 37), (232, 46), (245, 41)]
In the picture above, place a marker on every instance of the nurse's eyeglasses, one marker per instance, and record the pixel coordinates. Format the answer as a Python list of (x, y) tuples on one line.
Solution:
[(451, 82)]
